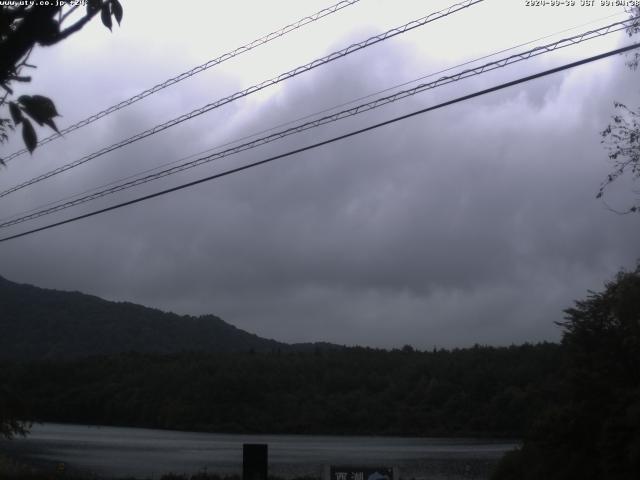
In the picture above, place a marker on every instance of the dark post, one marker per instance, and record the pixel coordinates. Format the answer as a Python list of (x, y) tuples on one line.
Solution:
[(255, 460)]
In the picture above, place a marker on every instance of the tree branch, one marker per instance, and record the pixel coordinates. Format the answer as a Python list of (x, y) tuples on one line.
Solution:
[(19, 78), (24, 38), (75, 27), (63, 17)]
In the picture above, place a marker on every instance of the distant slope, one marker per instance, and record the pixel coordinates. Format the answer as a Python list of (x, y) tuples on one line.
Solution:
[(37, 323)]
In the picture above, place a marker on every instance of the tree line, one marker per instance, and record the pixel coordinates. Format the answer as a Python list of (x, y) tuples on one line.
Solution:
[(479, 391), (591, 431)]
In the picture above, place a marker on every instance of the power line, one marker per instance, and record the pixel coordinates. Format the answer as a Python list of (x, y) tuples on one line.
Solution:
[(305, 117), (501, 63), (311, 115), (194, 71), (331, 140), (255, 88), (378, 92)]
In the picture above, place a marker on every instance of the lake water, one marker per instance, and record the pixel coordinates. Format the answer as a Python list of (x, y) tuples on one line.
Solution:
[(146, 453)]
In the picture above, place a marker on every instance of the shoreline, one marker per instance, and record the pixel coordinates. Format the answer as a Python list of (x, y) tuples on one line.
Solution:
[(434, 469), (94, 452)]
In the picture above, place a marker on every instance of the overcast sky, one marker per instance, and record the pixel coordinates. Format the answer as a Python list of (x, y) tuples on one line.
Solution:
[(476, 223)]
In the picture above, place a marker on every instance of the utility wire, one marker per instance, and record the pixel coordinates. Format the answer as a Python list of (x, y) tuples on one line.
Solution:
[(332, 140), (373, 94), (501, 63), (194, 71), (255, 88), (305, 117)]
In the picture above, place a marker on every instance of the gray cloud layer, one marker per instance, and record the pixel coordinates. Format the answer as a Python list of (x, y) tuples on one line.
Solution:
[(476, 223)]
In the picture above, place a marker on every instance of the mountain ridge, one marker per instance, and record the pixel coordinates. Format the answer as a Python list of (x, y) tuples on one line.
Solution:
[(38, 324)]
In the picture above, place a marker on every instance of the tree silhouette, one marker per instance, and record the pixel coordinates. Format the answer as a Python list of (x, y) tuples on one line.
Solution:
[(24, 26), (12, 414), (592, 431), (622, 135)]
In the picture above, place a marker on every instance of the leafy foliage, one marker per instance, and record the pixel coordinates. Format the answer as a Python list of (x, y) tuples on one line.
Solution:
[(23, 26), (634, 12), (622, 138), (622, 135), (593, 431), (12, 413)]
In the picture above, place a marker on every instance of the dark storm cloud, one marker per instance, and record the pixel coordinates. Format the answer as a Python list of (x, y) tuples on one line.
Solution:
[(476, 223)]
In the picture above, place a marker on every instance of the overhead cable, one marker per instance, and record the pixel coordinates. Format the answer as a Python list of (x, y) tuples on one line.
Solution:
[(194, 71), (331, 140), (255, 88), (365, 107), (305, 117)]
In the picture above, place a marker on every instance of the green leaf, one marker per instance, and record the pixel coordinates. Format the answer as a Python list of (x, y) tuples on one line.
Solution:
[(93, 6), (29, 135), (105, 15), (40, 108), (45, 105), (116, 8), (51, 124), (16, 113)]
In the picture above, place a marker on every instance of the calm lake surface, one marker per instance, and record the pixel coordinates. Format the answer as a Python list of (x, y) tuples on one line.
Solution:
[(146, 453)]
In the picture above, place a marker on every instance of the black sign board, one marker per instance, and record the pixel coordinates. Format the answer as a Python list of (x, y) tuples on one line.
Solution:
[(255, 460), (360, 473)]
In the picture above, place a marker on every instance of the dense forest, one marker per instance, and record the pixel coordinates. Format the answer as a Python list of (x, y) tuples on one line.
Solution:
[(476, 391), (591, 431)]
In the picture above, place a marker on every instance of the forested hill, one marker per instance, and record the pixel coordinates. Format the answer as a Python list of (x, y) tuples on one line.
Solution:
[(38, 323), (94, 361)]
